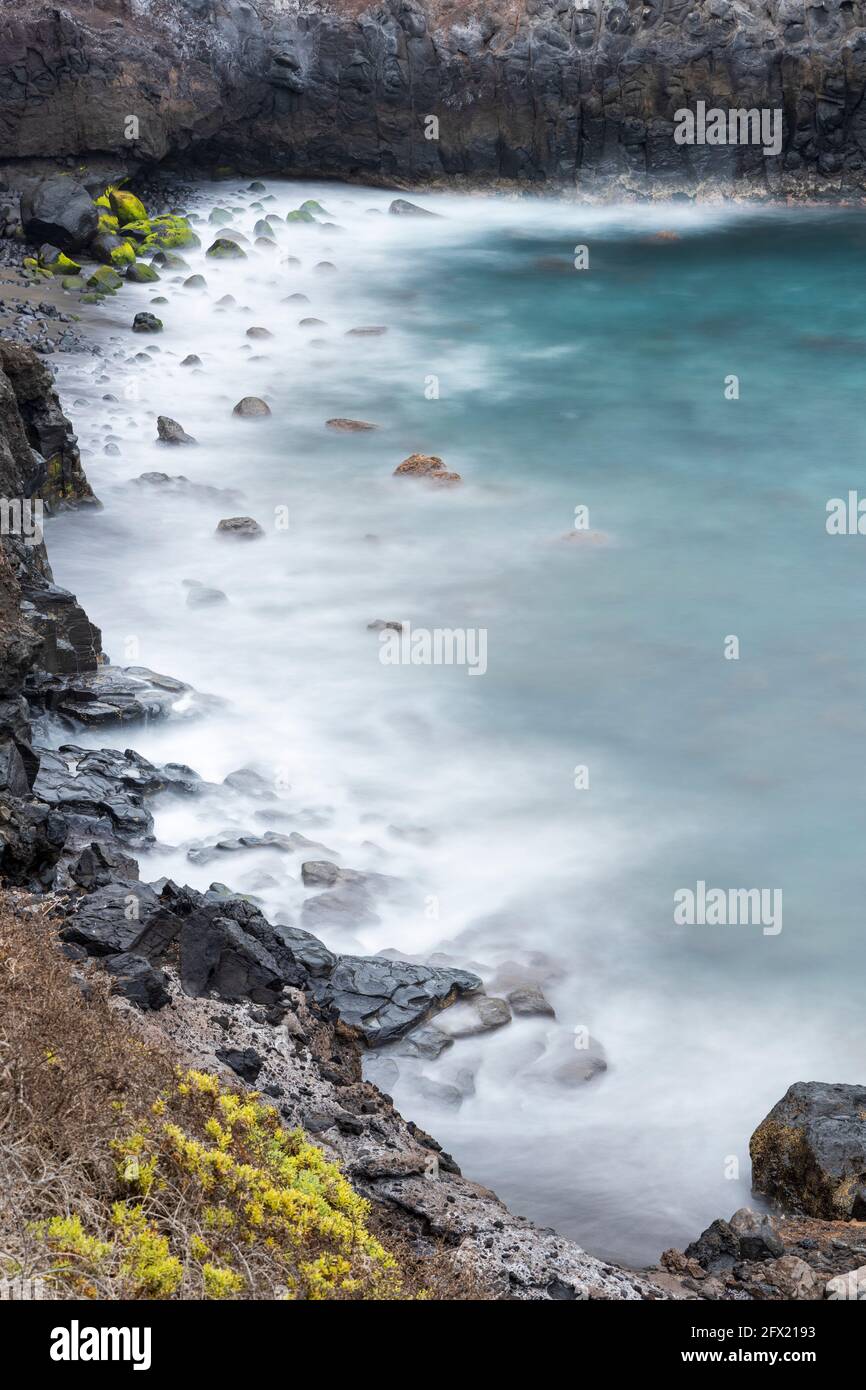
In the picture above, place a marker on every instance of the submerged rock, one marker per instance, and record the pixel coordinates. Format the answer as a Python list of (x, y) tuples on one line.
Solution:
[(475, 1016), (349, 426)]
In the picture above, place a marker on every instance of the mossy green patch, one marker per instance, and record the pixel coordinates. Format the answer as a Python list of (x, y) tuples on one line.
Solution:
[(105, 280), (300, 215), (141, 274), (223, 249), (125, 206)]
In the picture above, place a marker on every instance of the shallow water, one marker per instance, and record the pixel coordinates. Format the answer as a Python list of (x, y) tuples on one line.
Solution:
[(556, 389)]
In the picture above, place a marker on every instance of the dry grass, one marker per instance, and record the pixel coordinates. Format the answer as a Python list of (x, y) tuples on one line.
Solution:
[(122, 1176)]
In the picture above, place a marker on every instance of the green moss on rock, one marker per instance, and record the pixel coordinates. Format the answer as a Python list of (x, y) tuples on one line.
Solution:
[(141, 274), (224, 249), (125, 206), (105, 280)]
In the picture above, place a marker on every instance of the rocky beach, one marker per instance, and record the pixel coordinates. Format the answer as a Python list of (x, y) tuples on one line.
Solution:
[(235, 275)]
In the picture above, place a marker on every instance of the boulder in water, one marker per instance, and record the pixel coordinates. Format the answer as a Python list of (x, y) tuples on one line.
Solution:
[(401, 207), (809, 1154), (146, 323), (243, 527), (170, 432), (252, 408), (427, 466)]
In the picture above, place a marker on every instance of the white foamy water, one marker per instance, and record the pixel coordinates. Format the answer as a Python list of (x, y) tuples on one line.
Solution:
[(462, 787)]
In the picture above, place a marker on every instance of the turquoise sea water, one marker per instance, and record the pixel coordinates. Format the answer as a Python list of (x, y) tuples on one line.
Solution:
[(557, 388)]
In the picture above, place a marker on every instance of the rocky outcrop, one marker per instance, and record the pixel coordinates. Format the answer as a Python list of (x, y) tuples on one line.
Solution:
[(408, 91), (771, 1258), (809, 1154)]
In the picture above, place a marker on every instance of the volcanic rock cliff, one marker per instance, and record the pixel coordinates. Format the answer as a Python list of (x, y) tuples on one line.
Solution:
[(522, 90)]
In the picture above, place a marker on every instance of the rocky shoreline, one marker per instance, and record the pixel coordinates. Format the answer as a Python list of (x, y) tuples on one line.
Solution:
[(265, 1004), (268, 1004)]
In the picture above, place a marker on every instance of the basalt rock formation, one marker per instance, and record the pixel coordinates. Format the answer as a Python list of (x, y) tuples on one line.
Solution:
[(407, 91)]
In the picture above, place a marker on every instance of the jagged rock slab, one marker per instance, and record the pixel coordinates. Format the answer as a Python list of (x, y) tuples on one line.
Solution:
[(115, 695), (383, 999)]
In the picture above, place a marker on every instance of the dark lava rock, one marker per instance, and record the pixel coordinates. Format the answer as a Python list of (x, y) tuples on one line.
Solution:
[(122, 918), (717, 1249), (170, 432), (809, 1154), (382, 999), (243, 527), (136, 979), (245, 1061), (60, 210), (146, 323), (109, 695)]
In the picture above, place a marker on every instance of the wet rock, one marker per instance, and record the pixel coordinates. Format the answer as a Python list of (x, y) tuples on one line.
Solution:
[(140, 274), (241, 527), (473, 1017), (179, 483), (384, 999), (529, 1001), (349, 426), (427, 466), (809, 1154), (112, 695), (401, 207), (427, 1041), (244, 1061), (374, 331), (324, 268), (226, 248), (205, 854), (146, 323), (439, 1092), (252, 408), (258, 332), (138, 981), (195, 282), (170, 432), (191, 360), (246, 779), (60, 210)]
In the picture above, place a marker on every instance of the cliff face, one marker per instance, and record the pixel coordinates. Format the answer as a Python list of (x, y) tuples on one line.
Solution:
[(527, 90)]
